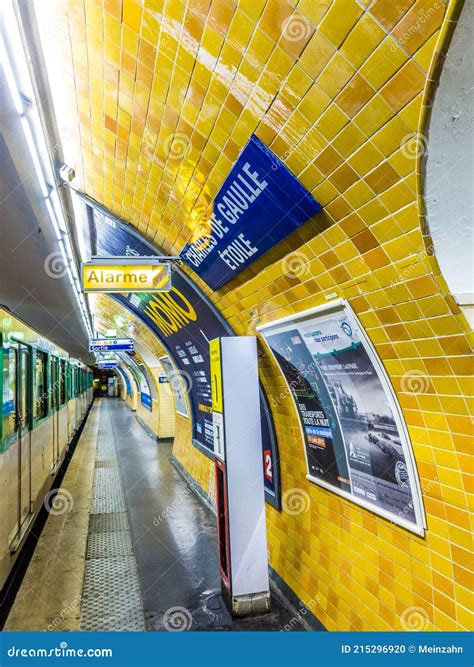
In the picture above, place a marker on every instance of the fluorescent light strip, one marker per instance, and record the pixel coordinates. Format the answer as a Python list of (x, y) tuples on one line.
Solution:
[(57, 231), (79, 215), (34, 156), (17, 100), (58, 210), (52, 201)]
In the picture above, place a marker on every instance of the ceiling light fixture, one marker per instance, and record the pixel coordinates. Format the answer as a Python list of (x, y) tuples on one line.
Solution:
[(14, 63)]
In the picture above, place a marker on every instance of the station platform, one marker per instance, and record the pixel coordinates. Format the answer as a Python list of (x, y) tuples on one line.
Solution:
[(128, 545)]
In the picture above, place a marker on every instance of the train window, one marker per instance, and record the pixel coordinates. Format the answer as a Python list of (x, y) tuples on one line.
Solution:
[(62, 382), (24, 388), (54, 381), (68, 380), (11, 397), (41, 392)]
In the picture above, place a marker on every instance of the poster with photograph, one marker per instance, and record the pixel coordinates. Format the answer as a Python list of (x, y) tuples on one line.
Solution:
[(354, 441)]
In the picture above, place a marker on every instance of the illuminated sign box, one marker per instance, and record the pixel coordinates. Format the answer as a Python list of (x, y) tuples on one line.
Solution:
[(106, 344), (103, 275)]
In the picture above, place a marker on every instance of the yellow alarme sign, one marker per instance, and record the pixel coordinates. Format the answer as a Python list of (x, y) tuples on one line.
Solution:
[(126, 278)]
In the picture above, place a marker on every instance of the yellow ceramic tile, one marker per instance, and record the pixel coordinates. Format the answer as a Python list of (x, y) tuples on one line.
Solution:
[(410, 115), (373, 115), (365, 159), (392, 136), (348, 140), (316, 55), (217, 96), (339, 20), (413, 32), (314, 11), (362, 40), (387, 59), (335, 75), (425, 53), (359, 194), (331, 122)]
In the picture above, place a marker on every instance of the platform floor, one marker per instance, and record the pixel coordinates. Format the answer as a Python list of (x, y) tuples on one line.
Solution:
[(136, 550)]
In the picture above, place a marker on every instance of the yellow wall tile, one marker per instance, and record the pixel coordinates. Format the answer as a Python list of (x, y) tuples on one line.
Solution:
[(354, 153)]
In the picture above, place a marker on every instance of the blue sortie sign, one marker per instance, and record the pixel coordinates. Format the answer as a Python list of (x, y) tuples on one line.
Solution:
[(259, 204), (104, 344)]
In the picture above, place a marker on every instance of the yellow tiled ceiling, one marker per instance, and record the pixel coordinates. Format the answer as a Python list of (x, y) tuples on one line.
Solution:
[(168, 92), (157, 99)]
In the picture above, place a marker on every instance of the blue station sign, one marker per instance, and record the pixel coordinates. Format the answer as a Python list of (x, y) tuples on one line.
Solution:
[(260, 203), (107, 344)]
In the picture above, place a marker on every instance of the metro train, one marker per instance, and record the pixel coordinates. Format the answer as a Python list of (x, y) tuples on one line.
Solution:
[(45, 397)]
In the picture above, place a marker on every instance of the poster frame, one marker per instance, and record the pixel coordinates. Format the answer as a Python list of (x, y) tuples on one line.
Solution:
[(343, 306), (185, 394)]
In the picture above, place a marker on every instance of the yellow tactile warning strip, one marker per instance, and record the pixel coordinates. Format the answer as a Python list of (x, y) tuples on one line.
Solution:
[(50, 595), (160, 98)]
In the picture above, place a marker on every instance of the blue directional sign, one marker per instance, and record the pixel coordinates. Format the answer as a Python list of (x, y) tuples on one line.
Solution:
[(107, 344), (259, 204), (107, 364)]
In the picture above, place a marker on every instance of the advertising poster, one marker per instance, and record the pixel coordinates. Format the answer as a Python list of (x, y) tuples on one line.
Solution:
[(139, 373), (353, 439), (125, 379), (145, 394), (176, 383), (185, 322), (259, 204)]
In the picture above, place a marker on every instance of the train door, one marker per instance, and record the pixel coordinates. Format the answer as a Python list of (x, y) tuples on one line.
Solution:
[(20, 374), (55, 409)]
